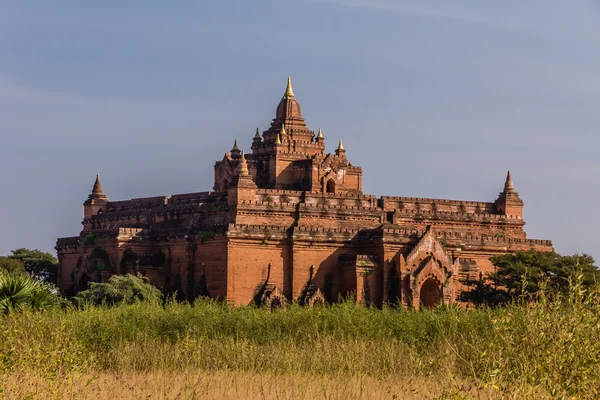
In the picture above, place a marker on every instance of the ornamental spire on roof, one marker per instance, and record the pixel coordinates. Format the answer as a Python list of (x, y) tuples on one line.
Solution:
[(97, 191), (320, 134), (257, 134), (235, 146), (288, 89), (340, 151), (508, 185), (243, 165)]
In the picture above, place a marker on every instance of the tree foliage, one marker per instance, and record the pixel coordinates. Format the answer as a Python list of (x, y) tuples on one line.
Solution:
[(119, 289), (9, 265), (38, 264), (525, 273), (19, 291)]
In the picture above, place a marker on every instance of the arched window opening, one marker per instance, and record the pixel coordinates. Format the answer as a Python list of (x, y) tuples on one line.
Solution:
[(330, 186)]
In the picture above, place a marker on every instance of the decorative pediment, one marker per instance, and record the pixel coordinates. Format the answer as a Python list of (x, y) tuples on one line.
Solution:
[(333, 174), (333, 163), (429, 245), (275, 299), (429, 264)]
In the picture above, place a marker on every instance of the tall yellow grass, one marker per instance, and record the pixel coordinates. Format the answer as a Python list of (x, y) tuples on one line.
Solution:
[(537, 349)]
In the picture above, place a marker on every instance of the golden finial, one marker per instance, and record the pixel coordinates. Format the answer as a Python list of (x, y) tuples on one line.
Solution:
[(235, 146), (278, 140), (320, 134), (341, 145), (288, 89), (257, 135), (283, 131)]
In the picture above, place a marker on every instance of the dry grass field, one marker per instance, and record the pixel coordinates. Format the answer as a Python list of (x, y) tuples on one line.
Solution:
[(545, 349), (232, 385)]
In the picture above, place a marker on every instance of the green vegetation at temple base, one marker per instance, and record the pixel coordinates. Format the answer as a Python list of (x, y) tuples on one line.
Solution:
[(541, 340), (544, 347), (120, 289), (526, 273)]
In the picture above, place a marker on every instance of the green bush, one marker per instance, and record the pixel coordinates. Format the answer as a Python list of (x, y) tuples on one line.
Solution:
[(119, 289), (11, 266)]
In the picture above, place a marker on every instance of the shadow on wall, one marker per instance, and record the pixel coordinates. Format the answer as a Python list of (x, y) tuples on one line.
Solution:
[(334, 279)]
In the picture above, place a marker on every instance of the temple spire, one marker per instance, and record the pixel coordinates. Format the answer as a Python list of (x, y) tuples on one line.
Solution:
[(320, 134), (235, 151), (278, 139), (257, 134), (97, 191), (243, 166), (340, 151), (283, 131), (288, 89), (508, 185)]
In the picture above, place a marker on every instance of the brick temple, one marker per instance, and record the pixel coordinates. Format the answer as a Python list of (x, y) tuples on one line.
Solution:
[(289, 222)]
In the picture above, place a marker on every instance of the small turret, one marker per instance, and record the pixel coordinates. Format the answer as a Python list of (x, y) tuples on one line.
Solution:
[(235, 151), (508, 185), (509, 203), (243, 188), (243, 167), (96, 200), (340, 151), (320, 137), (256, 141), (97, 191)]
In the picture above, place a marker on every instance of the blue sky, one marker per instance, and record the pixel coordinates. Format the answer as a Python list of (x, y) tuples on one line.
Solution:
[(432, 99)]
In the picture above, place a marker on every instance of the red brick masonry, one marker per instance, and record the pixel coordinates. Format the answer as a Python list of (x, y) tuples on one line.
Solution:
[(289, 222)]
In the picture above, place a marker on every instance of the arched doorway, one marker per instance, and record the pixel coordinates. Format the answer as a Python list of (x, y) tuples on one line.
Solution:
[(83, 282), (275, 304), (430, 294)]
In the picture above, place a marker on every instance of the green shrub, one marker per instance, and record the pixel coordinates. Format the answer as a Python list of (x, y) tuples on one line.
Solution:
[(11, 266), (119, 289)]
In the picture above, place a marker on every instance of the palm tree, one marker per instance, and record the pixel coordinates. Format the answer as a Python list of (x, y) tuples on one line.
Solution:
[(19, 291)]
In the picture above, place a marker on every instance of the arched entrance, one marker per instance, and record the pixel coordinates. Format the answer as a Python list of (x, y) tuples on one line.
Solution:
[(83, 282), (431, 294), (276, 304)]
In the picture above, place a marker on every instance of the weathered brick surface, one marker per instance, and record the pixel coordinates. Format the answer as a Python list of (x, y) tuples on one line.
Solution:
[(289, 221)]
